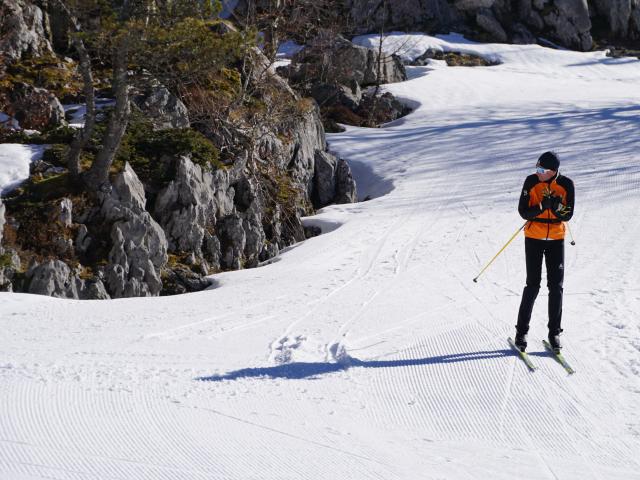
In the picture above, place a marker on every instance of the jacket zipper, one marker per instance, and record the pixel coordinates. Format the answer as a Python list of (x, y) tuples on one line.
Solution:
[(548, 224)]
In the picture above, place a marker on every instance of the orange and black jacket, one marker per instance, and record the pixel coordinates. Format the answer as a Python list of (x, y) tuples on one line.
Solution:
[(546, 224)]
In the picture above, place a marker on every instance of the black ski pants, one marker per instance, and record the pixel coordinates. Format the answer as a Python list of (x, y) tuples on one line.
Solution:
[(553, 252)]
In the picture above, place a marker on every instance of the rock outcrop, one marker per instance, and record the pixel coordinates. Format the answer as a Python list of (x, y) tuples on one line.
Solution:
[(373, 15), (333, 181), (487, 21), (332, 59), (622, 17), (55, 278), (182, 214), (569, 23), (33, 107), (139, 245), (336, 73), (187, 207), (226, 219), (21, 30), (564, 21), (163, 108)]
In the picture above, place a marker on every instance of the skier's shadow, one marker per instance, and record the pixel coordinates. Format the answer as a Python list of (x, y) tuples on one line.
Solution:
[(300, 370)]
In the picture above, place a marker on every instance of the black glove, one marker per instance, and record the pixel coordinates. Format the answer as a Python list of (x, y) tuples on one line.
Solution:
[(556, 204), (547, 202)]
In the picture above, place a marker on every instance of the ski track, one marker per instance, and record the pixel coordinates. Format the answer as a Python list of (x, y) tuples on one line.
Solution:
[(306, 327)]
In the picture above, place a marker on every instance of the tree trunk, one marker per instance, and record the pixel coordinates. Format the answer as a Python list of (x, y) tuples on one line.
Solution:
[(97, 177), (83, 136), (378, 67)]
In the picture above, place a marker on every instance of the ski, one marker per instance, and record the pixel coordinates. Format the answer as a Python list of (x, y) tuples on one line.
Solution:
[(558, 356), (523, 355)]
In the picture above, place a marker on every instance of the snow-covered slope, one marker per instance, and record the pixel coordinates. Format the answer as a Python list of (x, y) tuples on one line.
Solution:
[(368, 352)]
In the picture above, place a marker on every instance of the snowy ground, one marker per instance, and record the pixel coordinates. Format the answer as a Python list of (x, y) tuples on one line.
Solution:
[(368, 352), (77, 111), (15, 159)]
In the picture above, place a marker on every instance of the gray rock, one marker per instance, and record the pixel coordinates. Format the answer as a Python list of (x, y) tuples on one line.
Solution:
[(473, 4), (488, 22), (45, 169), (327, 95), (139, 245), (129, 190), (232, 241), (333, 59), (139, 251), (269, 251), (577, 12), (244, 194), (22, 30), (83, 240), (181, 280), (333, 181), (324, 179), (272, 230), (163, 108), (53, 278), (381, 108), (211, 250), (521, 35), (570, 23), (618, 14), (34, 108), (534, 19), (65, 209), (346, 191), (308, 137), (371, 15), (191, 206), (634, 23), (93, 290), (423, 59), (254, 237), (187, 207)]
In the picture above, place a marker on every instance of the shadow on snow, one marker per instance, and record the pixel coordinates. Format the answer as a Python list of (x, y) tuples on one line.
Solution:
[(300, 370)]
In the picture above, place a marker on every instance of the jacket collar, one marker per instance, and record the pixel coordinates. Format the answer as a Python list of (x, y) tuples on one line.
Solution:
[(555, 177)]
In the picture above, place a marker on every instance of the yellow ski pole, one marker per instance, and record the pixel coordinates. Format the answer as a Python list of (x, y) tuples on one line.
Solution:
[(505, 246), (573, 242)]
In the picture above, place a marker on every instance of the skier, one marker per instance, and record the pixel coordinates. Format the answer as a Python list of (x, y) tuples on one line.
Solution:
[(546, 201)]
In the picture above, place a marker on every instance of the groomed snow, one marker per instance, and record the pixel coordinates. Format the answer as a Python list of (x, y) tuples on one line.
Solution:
[(368, 352)]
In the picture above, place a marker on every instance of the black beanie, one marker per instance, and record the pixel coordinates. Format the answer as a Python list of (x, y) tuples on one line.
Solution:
[(549, 160)]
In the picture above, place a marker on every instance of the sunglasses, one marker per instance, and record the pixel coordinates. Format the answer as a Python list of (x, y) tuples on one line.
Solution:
[(542, 171)]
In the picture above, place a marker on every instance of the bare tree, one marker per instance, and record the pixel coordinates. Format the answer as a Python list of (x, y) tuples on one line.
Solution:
[(84, 134), (97, 177)]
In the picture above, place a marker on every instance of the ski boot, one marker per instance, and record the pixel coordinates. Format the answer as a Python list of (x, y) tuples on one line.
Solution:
[(554, 341), (521, 341)]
